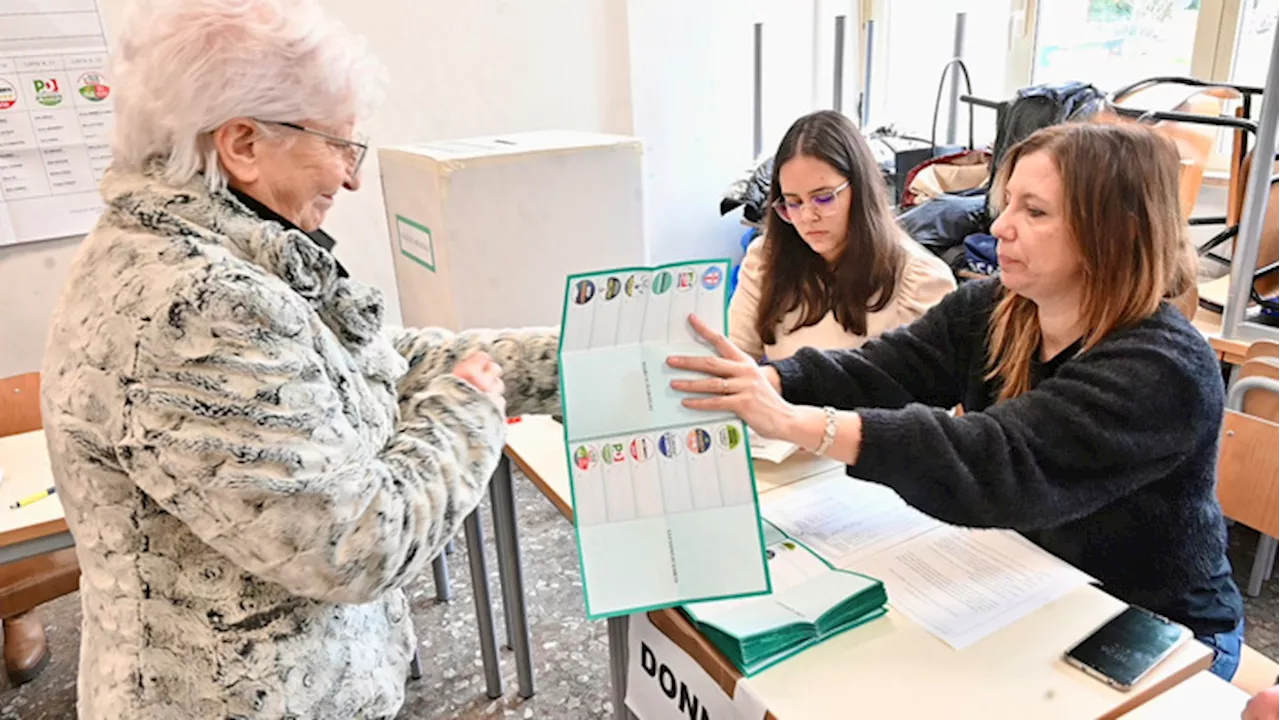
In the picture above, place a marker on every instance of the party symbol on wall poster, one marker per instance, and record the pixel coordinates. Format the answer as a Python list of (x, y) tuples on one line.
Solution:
[(8, 94), (93, 87), (47, 92)]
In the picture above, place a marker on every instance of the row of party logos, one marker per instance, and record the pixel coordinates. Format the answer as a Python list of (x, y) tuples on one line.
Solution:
[(669, 445), (639, 283), (49, 92)]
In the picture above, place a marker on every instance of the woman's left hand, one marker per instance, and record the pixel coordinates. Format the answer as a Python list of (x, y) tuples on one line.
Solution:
[(737, 385)]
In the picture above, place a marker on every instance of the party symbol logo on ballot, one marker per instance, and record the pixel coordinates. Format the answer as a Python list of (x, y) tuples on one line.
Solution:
[(614, 453), (712, 278), (583, 292), (662, 283), (685, 280), (641, 449), (669, 445), (584, 458)]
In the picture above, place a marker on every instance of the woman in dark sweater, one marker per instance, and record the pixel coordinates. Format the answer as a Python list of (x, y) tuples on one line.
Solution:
[(1092, 406)]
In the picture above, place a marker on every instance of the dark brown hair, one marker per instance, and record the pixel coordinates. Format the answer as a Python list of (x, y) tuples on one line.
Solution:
[(863, 278), (1122, 210)]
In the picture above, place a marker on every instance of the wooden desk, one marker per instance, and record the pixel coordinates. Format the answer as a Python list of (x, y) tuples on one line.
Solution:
[(893, 667), (1210, 325), (40, 527), (1204, 697)]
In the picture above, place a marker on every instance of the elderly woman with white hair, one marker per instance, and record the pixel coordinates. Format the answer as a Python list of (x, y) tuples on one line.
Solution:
[(252, 465)]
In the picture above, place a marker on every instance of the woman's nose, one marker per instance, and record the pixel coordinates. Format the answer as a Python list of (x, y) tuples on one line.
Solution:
[(352, 182), (1002, 228)]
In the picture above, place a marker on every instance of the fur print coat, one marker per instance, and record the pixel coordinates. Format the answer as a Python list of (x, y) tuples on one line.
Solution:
[(251, 465)]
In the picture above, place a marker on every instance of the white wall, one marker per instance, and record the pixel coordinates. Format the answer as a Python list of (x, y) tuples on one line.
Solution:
[(457, 69), (678, 75)]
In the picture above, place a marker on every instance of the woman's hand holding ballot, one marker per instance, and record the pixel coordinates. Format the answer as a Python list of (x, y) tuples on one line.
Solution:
[(753, 392)]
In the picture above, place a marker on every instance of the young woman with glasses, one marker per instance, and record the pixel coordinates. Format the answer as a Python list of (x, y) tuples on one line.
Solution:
[(833, 268)]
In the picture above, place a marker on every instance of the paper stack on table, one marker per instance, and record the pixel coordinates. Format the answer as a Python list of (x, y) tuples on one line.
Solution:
[(960, 584)]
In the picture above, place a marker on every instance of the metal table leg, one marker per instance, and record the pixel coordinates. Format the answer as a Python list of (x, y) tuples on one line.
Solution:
[(618, 650), (474, 531), (1264, 557), (510, 573), (415, 666), (440, 573)]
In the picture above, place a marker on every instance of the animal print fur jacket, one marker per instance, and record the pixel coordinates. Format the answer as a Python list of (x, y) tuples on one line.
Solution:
[(251, 465)]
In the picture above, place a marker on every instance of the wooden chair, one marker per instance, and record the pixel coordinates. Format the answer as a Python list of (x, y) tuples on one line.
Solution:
[(1248, 465), (29, 583)]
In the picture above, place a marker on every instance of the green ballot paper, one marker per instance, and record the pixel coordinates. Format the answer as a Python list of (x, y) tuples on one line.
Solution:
[(664, 497), (811, 601)]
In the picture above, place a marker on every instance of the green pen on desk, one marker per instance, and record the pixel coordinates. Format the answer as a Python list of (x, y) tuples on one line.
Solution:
[(34, 498)]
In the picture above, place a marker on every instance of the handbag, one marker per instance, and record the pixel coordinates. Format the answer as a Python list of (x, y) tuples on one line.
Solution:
[(947, 173)]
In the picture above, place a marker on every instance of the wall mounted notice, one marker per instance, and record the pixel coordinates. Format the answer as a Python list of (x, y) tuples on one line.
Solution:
[(664, 497), (55, 118)]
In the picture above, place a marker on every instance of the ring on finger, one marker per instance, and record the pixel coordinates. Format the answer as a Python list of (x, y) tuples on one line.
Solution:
[(724, 386)]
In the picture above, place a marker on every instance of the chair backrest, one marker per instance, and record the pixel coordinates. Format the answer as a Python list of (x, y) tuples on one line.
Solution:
[(1263, 348), (1248, 465), (20, 404), (1261, 403), (1269, 247), (1195, 142)]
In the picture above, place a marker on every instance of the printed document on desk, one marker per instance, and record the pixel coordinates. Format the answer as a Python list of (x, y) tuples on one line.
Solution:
[(56, 110), (664, 497), (960, 584)]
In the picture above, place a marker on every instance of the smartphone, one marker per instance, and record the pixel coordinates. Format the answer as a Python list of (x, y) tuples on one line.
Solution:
[(1127, 647)]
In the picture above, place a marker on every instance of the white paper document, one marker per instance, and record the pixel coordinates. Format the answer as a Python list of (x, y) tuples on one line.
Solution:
[(960, 584), (774, 451), (56, 111)]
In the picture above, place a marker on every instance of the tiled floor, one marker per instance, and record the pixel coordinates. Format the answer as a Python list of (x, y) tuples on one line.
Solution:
[(570, 654)]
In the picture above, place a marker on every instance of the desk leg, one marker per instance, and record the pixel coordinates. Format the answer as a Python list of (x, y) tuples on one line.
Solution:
[(1264, 557), (474, 531), (618, 650), (506, 537), (440, 573)]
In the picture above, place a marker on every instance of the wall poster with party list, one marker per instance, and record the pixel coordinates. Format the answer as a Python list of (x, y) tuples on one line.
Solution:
[(56, 113), (664, 497)]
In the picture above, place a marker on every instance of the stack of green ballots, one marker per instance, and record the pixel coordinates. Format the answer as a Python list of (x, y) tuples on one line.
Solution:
[(811, 601)]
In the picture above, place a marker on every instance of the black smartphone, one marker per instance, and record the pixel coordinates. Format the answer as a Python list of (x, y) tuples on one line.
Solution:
[(1127, 647)]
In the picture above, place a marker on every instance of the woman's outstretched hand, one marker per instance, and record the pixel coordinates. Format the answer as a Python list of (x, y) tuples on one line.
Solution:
[(737, 384)]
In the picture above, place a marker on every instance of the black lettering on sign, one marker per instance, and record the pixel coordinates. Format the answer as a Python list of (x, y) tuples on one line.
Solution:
[(647, 660), (689, 702), (672, 688), (667, 678)]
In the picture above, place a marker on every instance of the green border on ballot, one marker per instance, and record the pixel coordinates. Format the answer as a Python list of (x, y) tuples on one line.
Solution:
[(564, 427)]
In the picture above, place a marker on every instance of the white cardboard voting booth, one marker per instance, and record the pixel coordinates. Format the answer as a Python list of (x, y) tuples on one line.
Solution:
[(484, 231)]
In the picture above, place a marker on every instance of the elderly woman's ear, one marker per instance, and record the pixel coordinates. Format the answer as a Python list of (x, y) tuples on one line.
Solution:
[(239, 143)]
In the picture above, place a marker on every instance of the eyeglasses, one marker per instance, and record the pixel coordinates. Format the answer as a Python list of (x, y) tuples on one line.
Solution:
[(824, 204), (353, 151)]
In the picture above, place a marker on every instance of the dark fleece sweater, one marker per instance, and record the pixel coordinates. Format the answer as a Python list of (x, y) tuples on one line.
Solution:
[(1109, 462)]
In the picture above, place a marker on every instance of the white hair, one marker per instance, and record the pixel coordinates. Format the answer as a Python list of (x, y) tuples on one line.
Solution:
[(183, 68)]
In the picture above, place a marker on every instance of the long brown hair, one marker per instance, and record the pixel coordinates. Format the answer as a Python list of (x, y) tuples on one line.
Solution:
[(864, 277), (1120, 192)]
